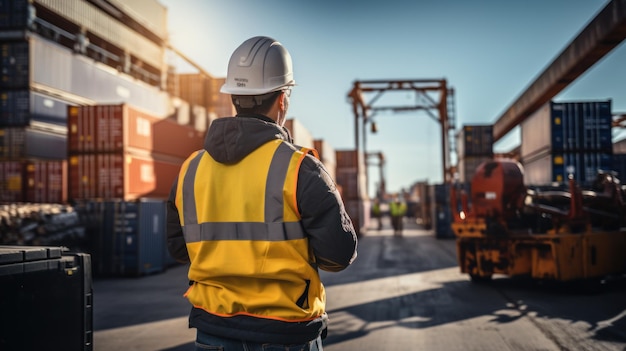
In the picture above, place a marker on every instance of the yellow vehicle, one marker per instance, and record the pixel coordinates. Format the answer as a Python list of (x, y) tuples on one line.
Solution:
[(547, 233)]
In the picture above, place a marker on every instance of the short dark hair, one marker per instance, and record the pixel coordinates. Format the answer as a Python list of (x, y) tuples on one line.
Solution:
[(260, 104)]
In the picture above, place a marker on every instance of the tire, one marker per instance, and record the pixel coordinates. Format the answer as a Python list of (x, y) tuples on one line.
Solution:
[(480, 279)]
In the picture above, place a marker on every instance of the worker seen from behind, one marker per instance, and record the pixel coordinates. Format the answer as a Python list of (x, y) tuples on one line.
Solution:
[(256, 217), (397, 209)]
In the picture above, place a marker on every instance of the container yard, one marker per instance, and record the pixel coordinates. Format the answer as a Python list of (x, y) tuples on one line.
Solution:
[(518, 250)]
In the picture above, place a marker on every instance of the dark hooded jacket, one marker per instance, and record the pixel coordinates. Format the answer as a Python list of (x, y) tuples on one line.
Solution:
[(323, 217)]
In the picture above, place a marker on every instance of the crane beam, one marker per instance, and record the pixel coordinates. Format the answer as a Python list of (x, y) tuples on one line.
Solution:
[(606, 31)]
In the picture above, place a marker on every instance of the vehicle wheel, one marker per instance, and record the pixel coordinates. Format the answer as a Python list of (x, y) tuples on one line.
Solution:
[(478, 279)]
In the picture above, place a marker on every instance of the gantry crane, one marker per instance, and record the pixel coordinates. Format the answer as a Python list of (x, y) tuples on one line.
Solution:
[(432, 96)]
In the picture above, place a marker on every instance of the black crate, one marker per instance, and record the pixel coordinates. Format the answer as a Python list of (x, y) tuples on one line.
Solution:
[(46, 299)]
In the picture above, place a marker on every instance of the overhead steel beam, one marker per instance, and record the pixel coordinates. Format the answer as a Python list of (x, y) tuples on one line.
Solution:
[(606, 31)]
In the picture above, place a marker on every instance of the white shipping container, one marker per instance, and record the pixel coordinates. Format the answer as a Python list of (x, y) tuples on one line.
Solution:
[(73, 77), (301, 136), (538, 171), (110, 29), (328, 156), (536, 133)]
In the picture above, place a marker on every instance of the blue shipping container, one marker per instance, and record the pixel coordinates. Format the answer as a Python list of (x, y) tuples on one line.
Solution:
[(440, 210), (14, 64), (581, 126), (584, 166), (127, 237)]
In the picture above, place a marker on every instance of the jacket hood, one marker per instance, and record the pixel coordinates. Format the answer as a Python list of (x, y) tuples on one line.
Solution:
[(230, 139)]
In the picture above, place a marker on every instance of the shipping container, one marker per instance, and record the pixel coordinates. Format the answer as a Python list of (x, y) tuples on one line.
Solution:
[(32, 142), (349, 159), (221, 104), (475, 140), (547, 168), (46, 299), (45, 181), (353, 184), (328, 156), (14, 14), (300, 135), (200, 120), (73, 77), (360, 214), (195, 88), (14, 108), (423, 203), (134, 237), (123, 175), (441, 212), (180, 111), (22, 107), (34, 181), (11, 181), (12, 143), (14, 62), (567, 127), (93, 20), (150, 13), (119, 128)]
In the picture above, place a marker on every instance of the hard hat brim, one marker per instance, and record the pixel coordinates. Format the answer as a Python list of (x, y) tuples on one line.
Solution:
[(247, 91)]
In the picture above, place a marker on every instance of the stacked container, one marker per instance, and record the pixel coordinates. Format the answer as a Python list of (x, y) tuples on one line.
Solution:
[(300, 134), (441, 211), (32, 136), (119, 152), (567, 138), (351, 180), (200, 90), (423, 213), (328, 156), (474, 146)]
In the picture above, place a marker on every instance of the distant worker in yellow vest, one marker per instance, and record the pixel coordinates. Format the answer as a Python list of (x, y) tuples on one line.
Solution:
[(397, 210), (256, 217)]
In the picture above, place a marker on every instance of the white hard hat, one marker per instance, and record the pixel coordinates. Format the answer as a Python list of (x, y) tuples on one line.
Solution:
[(259, 65)]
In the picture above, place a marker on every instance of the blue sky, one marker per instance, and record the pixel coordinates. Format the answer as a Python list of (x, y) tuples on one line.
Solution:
[(489, 51)]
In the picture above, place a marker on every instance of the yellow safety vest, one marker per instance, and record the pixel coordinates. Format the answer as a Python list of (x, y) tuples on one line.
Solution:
[(397, 209), (249, 254)]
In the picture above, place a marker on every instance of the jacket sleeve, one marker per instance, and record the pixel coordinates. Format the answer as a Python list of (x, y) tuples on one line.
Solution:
[(175, 239), (331, 234)]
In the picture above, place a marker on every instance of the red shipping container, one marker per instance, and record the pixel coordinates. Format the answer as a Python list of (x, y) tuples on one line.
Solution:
[(11, 181), (82, 176), (125, 176), (46, 181), (118, 128), (175, 139)]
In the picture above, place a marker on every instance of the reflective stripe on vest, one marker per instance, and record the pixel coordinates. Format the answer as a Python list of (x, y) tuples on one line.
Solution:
[(273, 225)]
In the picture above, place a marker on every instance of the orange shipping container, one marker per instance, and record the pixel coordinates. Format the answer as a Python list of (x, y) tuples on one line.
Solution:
[(116, 128), (349, 159), (125, 176)]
